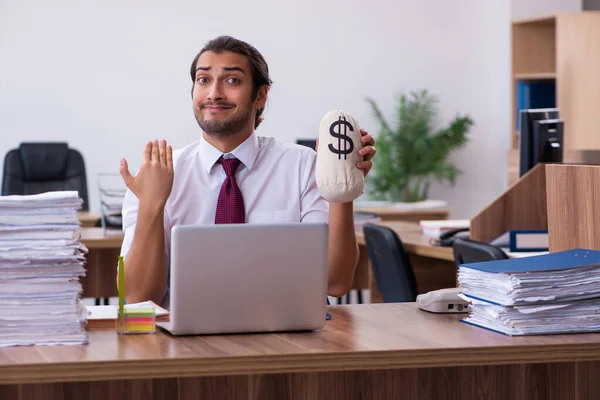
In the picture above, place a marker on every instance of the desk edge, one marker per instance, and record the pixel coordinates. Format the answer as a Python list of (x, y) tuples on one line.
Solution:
[(295, 363)]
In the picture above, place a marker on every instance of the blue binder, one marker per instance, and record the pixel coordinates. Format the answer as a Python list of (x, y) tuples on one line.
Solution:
[(509, 239), (575, 258), (564, 260), (519, 232), (535, 94)]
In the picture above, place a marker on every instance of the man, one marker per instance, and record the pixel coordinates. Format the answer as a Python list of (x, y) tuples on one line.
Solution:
[(230, 175)]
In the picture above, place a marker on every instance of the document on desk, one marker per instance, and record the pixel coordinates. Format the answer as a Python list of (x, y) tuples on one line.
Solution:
[(41, 263), (56, 199), (44, 232), (435, 228), (553, 293), (105, 316)]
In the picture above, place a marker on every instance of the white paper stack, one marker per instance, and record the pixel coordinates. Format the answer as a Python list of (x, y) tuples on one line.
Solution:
[(553, 293), (565, 317), (435, 228), (41, 263)]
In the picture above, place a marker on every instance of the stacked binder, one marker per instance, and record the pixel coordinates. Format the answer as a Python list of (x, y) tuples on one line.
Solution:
[(41, 262), (552, 293)]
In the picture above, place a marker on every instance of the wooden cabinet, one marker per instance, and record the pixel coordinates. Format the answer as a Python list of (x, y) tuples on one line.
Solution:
[(578, 78)]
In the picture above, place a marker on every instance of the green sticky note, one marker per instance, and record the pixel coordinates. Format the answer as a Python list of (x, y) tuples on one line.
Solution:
[(140, 311)]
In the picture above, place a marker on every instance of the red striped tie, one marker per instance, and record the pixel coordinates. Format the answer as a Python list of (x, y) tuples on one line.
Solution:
[(230, 206)]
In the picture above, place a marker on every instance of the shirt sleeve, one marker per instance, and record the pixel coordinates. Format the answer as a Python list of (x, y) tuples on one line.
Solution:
[(314, 208), (129, 213)]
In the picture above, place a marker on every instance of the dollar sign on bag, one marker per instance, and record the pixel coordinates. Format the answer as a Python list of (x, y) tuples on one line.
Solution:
[(341, 134)]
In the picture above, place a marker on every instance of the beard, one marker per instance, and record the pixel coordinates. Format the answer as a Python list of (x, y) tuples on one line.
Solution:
[(225, 127)]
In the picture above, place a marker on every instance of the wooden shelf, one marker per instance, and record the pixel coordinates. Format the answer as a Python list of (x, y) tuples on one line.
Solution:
[(534, 76), (542, 20)]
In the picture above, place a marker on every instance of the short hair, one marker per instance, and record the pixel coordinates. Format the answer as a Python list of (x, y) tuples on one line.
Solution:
[(258, 65)]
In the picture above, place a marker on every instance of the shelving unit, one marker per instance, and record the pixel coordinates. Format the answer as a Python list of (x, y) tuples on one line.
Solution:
[(533, 58), (564, 48)]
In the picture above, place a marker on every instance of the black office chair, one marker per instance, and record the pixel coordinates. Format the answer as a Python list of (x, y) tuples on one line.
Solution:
[(391, 266), (312, 143), (470, 251), (44, 167)]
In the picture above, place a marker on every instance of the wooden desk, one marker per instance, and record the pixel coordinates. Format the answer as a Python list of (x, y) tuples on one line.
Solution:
[(413, 240), (101, 265), (95, 238), (88, 219), (383, 351), (433, 265), (391, 213)]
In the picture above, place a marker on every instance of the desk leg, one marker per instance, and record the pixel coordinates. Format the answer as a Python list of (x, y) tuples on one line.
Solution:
[(517, 381), (101, 273)]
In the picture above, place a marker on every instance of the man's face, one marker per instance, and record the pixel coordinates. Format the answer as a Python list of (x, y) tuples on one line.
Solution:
[(222, 95)]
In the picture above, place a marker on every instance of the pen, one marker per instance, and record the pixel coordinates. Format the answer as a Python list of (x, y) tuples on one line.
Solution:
[(121, 292)]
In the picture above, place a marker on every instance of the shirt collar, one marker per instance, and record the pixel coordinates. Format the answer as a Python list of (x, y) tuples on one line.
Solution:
[(246, 152)]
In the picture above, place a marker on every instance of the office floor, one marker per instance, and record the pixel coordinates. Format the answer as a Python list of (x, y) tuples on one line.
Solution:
[(332, 300)]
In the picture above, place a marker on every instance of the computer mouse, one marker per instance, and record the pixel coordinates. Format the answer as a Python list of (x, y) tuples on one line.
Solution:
[(443, 301)]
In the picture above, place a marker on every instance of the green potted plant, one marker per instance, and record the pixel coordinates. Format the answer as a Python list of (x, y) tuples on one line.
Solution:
[(411, 153)]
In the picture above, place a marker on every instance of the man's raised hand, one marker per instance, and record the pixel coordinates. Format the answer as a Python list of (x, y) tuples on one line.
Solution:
[(153, 183)]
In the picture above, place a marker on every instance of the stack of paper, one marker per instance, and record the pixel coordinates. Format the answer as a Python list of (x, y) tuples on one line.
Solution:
[(435, 228), (41, 261), (552, 293)]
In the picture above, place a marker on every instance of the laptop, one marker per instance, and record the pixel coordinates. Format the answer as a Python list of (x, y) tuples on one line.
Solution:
[(241, 278)]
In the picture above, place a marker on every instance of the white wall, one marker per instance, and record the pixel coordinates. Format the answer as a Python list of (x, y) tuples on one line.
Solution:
[(107, 76), (532, 8)]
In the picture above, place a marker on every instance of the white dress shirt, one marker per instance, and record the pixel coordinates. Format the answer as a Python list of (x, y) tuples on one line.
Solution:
[(277, 181)]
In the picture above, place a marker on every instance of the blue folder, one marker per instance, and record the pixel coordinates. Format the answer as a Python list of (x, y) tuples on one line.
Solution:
[(509, 239), (519, 232), (575, 258)]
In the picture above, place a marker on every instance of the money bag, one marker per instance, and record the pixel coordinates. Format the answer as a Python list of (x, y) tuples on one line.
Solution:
[(338, 177)]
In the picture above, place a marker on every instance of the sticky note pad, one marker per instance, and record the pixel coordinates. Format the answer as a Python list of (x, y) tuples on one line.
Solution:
[(137, 320)]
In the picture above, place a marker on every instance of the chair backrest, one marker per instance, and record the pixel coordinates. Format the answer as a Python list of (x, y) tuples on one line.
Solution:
[(392, 268), (312, 143), (470, 251), (44, 167)]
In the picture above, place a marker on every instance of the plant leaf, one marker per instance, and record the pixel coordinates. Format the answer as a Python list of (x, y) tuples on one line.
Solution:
[(411, 154)]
